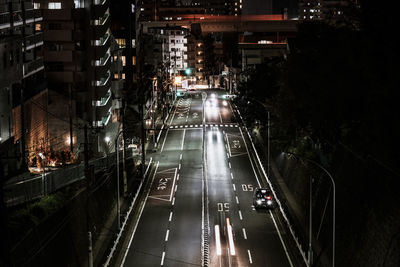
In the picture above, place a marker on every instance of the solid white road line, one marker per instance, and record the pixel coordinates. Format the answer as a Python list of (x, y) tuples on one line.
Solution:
[(165, 138), (280, 237), (217, 239)]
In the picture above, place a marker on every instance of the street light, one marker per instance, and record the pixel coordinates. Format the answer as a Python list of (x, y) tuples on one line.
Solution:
[(333, 199)]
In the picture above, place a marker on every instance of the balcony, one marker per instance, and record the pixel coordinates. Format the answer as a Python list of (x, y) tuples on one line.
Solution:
[(4, 21), (100, 7), (102, 86), (102, 111), (102, 66), (101, 25), (102, 44), (32, 67), (33, 15), (33, 41)]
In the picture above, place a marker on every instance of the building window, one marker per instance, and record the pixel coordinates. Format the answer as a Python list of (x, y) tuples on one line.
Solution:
[(36, 5), (121, 43), (133, 61), (54, 5), (78, 4), (38, 27), (123, 58)]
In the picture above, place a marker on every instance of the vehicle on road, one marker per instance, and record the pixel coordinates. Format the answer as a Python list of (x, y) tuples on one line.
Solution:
[(263, 198)]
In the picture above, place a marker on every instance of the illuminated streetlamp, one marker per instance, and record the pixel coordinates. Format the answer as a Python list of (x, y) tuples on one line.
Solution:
[(333, 200)]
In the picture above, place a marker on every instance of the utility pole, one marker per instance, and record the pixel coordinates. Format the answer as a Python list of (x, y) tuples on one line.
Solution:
[(268, 125), (71, 140), (23, 156), (310, 252), (5, 247), (141, 91), (88, 179)]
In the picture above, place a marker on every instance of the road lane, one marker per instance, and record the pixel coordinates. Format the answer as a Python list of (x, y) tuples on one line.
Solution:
[(183, 247), (169, 232)]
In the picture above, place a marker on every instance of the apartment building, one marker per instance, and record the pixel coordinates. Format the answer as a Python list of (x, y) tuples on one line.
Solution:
[(21, 71), (82, 66)]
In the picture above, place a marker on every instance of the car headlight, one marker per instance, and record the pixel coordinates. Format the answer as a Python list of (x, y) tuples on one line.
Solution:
[(225, 103), (269, 202), (258, 201)]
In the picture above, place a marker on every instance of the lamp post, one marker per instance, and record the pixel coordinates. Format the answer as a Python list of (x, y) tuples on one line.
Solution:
[(333, 200)]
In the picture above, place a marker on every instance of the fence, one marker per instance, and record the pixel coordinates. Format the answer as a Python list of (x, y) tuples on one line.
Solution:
[(26, 188)]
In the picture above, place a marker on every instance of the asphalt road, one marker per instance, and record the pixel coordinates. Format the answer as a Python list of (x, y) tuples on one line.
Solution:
[(198, 211)]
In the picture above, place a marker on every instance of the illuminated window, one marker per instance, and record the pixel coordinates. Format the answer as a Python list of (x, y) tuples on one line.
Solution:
[(116, 76), (133, 61), (123, 76), (38, 27), (123, 61), (54, 5), (121, 43), (36, 5)]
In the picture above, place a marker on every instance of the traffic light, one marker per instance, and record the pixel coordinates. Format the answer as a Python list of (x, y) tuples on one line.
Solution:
[(188, 71)]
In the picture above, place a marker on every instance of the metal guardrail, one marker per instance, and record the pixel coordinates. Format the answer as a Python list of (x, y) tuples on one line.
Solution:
[(28, 188), (126, 218), (288, 224)]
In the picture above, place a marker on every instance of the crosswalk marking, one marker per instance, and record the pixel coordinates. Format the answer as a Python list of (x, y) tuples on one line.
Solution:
[(209, 125)]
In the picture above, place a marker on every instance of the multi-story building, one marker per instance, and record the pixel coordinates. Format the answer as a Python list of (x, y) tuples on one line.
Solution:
[(223, 7), (170, 48), (78, 57), (310, 9), (11, 74), (323, 9), (22, 70)]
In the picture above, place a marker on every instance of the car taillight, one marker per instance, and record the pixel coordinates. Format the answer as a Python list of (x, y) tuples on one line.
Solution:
[(269, 197)]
